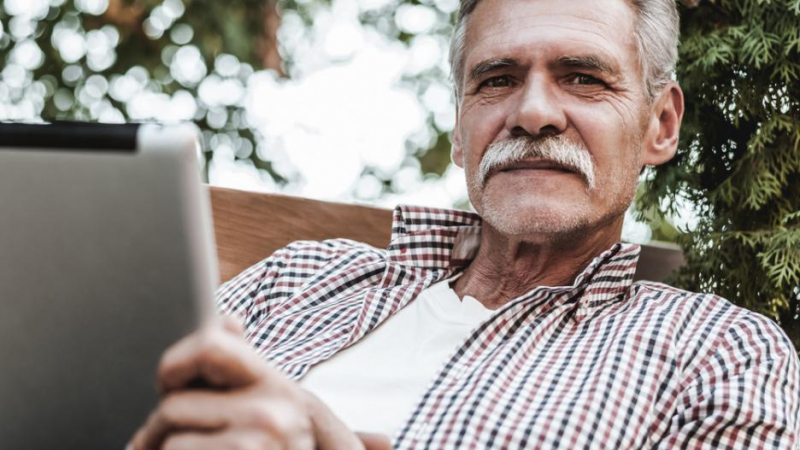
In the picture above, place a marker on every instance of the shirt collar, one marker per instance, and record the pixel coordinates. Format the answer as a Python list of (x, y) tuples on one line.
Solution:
[(436, 238)]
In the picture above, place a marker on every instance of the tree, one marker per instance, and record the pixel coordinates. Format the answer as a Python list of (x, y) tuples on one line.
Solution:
[(118, 60), (739, 157)]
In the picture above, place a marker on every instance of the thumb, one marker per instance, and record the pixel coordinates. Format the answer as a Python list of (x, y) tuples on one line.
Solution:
[(214, 355), (375, 441)]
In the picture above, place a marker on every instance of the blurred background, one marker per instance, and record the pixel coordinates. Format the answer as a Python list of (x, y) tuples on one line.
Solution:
[(350, 100), (345, 100)]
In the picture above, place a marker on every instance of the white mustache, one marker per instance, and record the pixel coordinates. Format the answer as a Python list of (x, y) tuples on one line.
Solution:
[(557, 149)]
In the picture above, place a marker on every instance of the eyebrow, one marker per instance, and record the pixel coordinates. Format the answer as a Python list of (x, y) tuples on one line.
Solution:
[(588, 62), (580, 62), (491, 65)]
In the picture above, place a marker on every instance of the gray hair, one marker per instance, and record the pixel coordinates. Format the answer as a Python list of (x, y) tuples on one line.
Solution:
[(657, 31)]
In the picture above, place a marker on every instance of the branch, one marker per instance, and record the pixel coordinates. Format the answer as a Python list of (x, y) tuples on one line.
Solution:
[(267, 45), (124, 16)]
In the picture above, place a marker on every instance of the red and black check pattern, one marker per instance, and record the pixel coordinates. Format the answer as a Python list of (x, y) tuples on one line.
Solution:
[(604, 363)]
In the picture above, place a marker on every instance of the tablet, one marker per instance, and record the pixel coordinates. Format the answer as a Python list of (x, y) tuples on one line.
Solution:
[(106, 258)]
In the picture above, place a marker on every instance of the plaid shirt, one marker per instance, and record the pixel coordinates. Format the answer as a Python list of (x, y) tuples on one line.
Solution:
[(603, 363)]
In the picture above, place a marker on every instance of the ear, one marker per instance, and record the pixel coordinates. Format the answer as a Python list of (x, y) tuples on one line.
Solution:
[(457, 149), (664, 126)]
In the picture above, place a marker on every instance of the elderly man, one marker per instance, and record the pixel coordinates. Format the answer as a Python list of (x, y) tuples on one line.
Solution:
[(519, 327)]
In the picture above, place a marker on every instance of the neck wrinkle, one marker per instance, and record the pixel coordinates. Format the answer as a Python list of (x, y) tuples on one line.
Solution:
[(504, 269)]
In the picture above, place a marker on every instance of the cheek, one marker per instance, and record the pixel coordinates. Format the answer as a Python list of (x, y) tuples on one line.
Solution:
[(613, 119), (615, 142), (618, 173), (480, 126)]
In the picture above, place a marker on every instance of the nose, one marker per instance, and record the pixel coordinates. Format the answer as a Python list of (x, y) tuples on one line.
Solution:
[(537, 111)]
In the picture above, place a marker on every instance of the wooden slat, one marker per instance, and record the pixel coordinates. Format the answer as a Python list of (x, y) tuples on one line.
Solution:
[(249, 226)]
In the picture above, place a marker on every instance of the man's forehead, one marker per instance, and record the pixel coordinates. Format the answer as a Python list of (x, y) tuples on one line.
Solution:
[(602, 27), (617, 12)]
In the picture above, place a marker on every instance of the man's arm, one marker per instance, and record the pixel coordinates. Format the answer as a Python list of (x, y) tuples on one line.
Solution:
[(744, 395), (253, 294), (248, 295), (218, 393)]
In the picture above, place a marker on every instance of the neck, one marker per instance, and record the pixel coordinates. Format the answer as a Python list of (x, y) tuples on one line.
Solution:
[(506, 268)]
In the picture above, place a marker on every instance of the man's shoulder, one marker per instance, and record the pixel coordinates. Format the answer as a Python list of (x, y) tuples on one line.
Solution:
[(322, 262), (287, 271), (667, 293), (657, 293), (713, 319), (301, 260), (326, 249), (694, 301)]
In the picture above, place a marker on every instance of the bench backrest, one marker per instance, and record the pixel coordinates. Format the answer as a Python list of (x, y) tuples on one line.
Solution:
[(250, 226)]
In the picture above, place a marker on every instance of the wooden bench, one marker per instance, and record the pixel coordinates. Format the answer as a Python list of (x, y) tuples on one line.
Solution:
[(249, 226)]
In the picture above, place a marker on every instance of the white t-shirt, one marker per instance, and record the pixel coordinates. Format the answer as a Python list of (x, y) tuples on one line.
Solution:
[(375, 384)]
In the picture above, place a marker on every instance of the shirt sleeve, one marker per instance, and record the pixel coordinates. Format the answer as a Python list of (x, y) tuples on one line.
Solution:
[(745, 395), (253, 294), (249, 295)]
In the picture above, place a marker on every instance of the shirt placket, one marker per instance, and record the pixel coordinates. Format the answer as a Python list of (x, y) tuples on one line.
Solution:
[(425, 426)]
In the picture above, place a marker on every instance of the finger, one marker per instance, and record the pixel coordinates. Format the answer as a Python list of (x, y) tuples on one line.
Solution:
[(225, 440), (375, 441), (205, 411), (233, 324), (196, 410), (212, 411), (329, 432), (213, 355)]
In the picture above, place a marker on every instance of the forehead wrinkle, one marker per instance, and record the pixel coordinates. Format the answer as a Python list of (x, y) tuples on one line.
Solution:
[(496, 23), (489, 38), (597, 27)]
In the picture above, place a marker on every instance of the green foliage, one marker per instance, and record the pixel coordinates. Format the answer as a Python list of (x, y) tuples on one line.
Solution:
[(149, 36), (140, 40), (739, 158)]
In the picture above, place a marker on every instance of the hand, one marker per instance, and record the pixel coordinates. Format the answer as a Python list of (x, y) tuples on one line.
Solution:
[(247, 404)]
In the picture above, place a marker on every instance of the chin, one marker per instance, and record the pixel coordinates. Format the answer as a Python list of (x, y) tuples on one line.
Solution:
[(534, 217)]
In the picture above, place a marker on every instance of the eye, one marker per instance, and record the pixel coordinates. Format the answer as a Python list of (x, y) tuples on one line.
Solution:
[(501, 81), (585, 80)]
